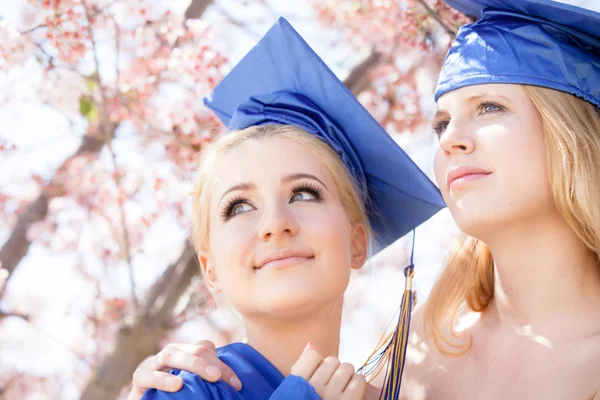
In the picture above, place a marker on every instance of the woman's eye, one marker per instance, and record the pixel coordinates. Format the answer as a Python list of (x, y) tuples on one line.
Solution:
[(303, 196), (440, 127), (240, 208), (489, 107)]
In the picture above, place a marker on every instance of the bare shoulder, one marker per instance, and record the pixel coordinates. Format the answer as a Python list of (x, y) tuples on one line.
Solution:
[(578, 364), (589, 366)]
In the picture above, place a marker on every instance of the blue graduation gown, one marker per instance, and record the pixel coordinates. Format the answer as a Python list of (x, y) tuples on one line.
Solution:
[(260, 380)]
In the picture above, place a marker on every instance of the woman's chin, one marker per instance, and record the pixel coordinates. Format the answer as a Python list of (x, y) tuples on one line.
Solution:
[(478, 225), (289, 303)]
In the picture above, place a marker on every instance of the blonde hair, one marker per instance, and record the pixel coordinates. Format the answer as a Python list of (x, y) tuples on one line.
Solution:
[(572, 135), (345, 184)]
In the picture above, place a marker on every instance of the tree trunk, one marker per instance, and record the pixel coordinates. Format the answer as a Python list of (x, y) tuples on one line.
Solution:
[(17, 245), (137, 341)]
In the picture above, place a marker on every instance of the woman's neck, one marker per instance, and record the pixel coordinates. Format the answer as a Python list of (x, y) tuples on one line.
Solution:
[(282, 340), (545, 278)]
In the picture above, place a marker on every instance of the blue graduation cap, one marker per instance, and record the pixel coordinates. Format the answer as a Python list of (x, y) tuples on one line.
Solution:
[(283, 81), (532, 42)]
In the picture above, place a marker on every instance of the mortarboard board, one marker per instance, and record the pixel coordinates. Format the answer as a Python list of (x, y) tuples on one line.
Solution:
[(283, 81), (532, 42)]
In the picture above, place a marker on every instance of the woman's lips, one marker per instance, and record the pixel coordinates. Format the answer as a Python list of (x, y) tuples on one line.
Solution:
[(286, 262), (284, 257), (462, 176), (464, 180)]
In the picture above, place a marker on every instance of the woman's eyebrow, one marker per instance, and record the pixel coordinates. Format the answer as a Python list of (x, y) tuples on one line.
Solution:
[(239, 187), (476, 97), (295, 177)]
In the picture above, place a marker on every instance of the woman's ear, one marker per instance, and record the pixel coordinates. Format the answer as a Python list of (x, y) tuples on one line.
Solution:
[(209, 272), (360, 245)]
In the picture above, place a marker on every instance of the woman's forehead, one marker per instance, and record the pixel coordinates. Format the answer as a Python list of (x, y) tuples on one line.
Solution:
[(466, 94), (268, 158)]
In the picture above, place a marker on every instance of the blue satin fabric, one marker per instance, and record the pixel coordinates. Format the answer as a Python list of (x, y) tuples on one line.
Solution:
[(289, 108), (260, 380), (533, 42)]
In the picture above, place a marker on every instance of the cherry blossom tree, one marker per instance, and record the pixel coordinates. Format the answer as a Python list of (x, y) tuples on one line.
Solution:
[(412, 37), (106, 66), (126, 78)]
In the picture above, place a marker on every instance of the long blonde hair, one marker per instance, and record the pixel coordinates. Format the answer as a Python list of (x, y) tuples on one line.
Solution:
[(345, 184), (572, 135)]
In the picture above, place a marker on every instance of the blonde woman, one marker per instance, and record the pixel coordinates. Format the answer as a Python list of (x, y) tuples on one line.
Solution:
[(515, 312), (283, 210)]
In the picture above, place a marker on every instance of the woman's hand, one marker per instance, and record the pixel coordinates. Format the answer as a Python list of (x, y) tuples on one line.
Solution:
[(330, 378), (200, 359)]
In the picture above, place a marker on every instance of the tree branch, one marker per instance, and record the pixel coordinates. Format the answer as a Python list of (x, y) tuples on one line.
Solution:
[(358, 79), (140, 339), (17, 245), (196, 9), (96, 75), (125, 232), (35, 28), (236, 22), (439, 19)]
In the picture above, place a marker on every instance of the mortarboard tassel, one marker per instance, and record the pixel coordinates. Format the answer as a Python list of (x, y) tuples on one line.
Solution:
[(391, 350)]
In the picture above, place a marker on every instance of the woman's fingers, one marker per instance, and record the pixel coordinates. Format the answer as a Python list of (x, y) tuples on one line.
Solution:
[(181, 356), (356, 388), (372, 392), (340, 379), (144, 379), (214, 367), (323, 374), (136, 393), (200, 359), (207, 344), (330, 379), (307, 364)]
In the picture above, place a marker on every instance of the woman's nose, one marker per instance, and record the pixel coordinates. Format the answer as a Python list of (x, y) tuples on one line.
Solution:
[(277, 221), (457, 139)]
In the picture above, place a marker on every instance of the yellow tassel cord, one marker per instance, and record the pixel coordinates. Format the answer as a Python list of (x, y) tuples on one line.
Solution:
[(391, 350)]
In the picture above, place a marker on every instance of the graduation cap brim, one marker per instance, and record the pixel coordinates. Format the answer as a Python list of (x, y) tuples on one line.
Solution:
[(282, 80), (532, 42)]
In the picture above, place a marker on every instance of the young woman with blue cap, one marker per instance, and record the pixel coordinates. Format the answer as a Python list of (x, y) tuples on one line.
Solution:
[(515, 311), (518, 302), (285, 205)]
